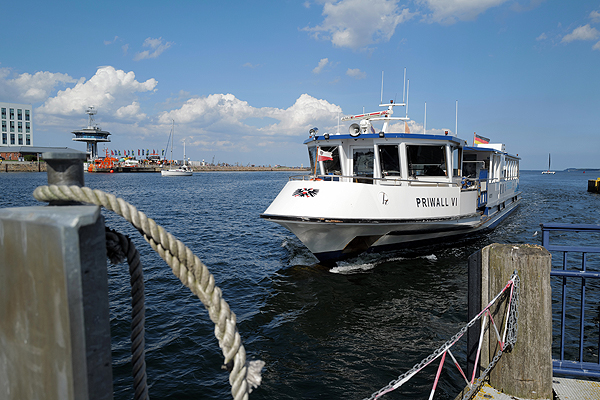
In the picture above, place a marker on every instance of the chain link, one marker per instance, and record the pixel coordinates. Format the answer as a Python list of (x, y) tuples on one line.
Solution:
[(511, 340)]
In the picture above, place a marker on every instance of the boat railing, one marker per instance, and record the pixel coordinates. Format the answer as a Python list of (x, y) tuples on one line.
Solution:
[(464, 183)]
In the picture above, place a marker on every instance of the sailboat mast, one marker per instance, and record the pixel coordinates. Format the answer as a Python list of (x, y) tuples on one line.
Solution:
[(172, 134)]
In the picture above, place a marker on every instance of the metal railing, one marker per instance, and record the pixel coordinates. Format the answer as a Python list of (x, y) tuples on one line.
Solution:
[(389, 181), (562, 365)]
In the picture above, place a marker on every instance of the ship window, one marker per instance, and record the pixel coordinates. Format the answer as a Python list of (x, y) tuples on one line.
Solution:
[(332, 167), (312, 154), (456, 162), (363, 162), (390, 160), (426, 160)]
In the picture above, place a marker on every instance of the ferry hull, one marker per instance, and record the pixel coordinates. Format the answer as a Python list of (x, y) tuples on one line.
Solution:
[(336, 241), (378, 217)]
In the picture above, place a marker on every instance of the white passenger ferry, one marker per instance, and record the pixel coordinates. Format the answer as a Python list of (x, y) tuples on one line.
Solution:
[(374, 190)]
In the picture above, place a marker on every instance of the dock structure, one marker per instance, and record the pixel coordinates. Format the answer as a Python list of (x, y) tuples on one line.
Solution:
[(594, 185), (527, 370), (54, 309)]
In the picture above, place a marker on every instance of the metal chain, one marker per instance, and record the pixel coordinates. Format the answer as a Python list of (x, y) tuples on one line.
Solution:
[(511, 341)]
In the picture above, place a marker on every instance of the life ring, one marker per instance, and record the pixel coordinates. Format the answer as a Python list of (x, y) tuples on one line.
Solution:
[(315, 179)]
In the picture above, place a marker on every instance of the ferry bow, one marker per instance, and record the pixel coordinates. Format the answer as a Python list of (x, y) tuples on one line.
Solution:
[(373, 190)]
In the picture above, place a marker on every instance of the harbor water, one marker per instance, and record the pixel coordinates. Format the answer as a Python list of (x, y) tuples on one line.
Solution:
[(323, 332)]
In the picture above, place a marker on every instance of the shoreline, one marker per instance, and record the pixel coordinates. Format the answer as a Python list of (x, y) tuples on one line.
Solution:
[(34, 166)]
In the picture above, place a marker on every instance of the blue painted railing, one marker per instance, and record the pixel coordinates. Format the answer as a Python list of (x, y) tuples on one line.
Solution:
[(561, 365)]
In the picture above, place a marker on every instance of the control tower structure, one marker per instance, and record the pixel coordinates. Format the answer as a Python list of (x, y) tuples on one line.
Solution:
[(91, 135)]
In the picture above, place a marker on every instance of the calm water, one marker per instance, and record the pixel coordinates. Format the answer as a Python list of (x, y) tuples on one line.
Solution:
[(323, 333)]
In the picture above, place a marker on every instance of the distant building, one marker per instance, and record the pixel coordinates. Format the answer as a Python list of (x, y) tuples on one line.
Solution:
[(91, 135), (30, 153), (17, 125)]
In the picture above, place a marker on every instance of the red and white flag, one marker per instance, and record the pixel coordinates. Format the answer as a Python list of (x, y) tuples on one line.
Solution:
[(324, 156)]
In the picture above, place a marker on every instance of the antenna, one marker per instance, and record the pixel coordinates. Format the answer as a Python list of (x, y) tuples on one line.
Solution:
[(404, 88), (381, 102), (456, 125), (425, 120), (407, 87)]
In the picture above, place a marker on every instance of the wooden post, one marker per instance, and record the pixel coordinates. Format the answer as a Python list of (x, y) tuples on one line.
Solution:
[(526, 370)]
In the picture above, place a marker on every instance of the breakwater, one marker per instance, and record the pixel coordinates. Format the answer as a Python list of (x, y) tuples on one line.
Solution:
[(23, 166), (41, 167)]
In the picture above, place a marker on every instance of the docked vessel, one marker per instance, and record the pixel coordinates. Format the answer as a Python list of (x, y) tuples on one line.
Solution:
[(372, 190), (182, 170)]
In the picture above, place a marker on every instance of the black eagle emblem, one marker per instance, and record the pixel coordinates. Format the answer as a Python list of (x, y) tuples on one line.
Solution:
[(304, 192)]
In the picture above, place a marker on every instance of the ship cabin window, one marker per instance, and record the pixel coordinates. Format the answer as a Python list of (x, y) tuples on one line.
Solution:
[(389, 159), (471, 165), (328, 163), (362, 164), (456, 161), (331, 166), (426, 160)]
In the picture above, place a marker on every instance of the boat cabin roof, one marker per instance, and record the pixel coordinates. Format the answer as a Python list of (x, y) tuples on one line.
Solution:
[(387, 135)]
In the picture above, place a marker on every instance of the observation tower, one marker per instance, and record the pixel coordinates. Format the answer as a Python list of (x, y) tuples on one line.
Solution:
[(91, 135)]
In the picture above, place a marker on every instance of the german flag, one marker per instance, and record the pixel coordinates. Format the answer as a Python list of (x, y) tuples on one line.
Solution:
[(480, 139)]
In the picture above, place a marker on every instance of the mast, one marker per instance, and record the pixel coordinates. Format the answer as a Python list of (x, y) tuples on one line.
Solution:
[(172, 134)]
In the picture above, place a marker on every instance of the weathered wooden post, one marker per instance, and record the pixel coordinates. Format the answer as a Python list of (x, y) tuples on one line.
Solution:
[(54, 317), (526, 370)]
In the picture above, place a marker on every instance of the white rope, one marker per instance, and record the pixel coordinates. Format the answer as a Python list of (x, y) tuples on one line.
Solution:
[(188, 268)]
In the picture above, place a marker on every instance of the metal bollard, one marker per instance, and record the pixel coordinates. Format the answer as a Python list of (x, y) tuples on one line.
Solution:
[(65, 168)]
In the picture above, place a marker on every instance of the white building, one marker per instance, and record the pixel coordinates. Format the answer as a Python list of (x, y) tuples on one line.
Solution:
[(17, 124)]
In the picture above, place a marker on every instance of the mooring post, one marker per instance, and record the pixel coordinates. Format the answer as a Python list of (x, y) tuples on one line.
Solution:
[(526, 370), (54, 315)]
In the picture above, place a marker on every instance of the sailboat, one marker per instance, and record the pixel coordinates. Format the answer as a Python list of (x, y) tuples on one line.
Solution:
[(548, 171), (183, 170)]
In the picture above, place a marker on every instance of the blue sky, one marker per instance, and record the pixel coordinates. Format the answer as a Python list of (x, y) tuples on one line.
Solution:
[(245, 80)]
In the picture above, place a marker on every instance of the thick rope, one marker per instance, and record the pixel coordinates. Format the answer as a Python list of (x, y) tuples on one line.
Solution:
[(118, 247), (188, 268)]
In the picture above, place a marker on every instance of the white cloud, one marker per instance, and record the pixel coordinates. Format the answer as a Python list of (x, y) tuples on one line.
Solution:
[(356, 73), (156, 45), (226, 115), (595, 16), (358, 23), (250, 65), (596, 46), (322, 63), (109, 90), (107, 42), (541, 37), (584, 32), (27, 88), (449, 11), (130, 112)]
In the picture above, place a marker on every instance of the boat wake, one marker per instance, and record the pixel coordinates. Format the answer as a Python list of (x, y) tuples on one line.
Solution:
[(368, 262)]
